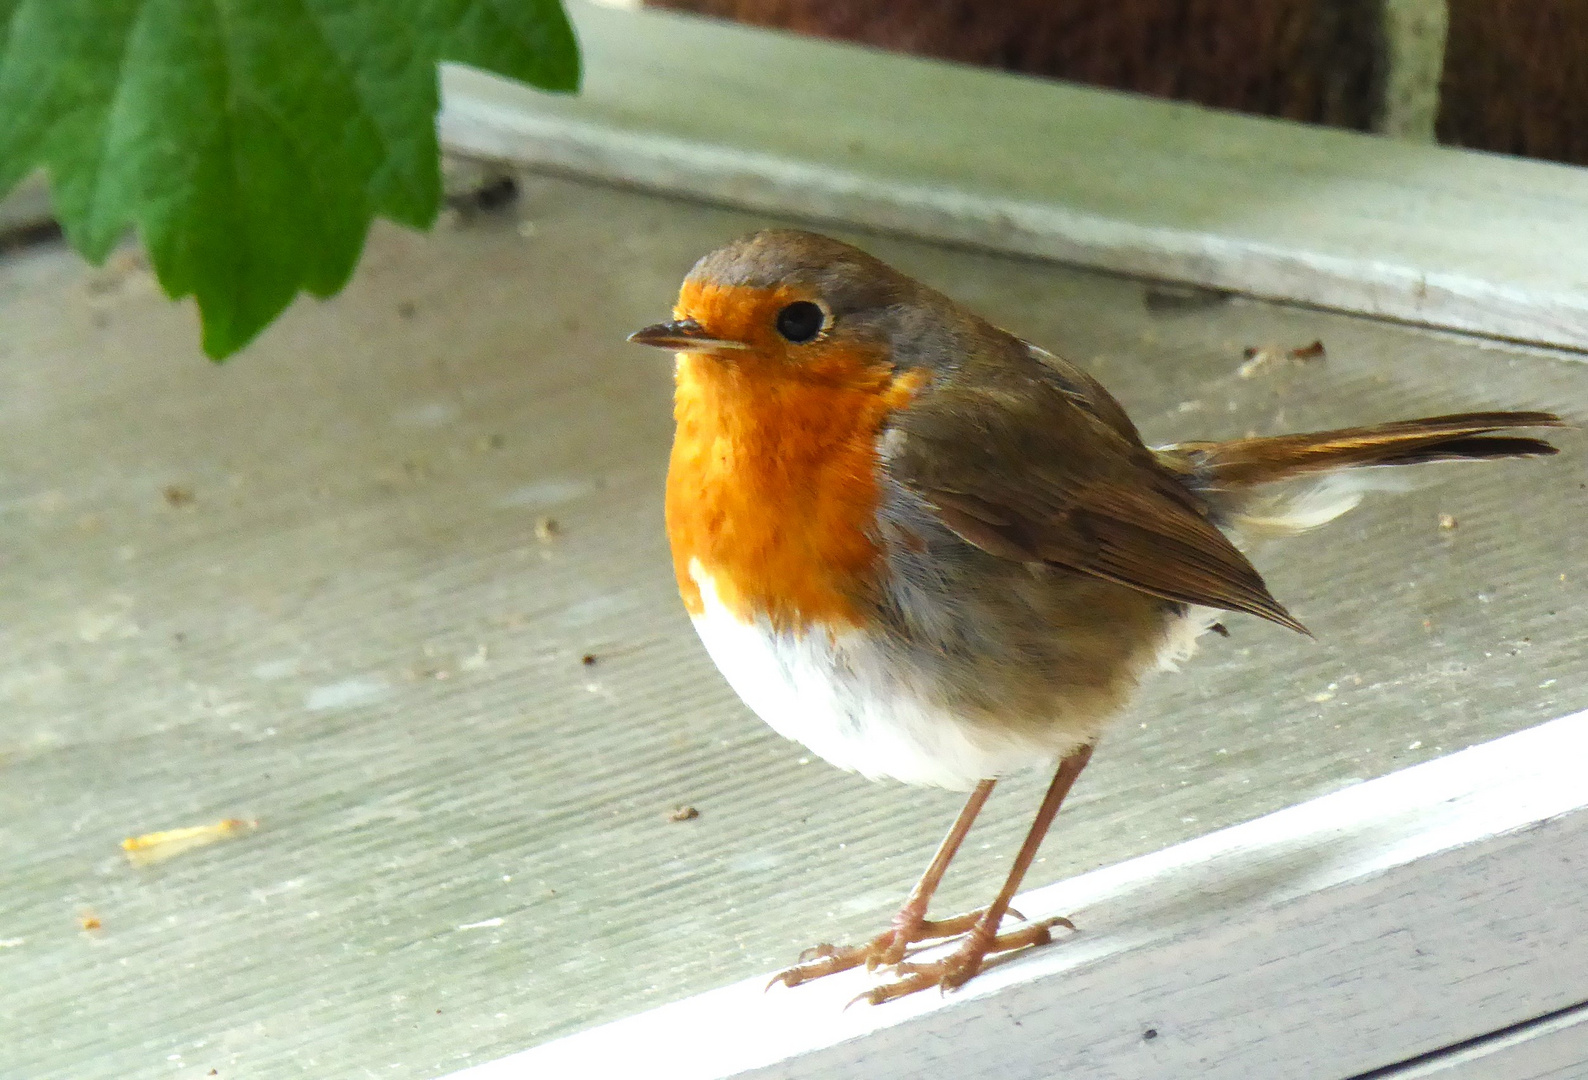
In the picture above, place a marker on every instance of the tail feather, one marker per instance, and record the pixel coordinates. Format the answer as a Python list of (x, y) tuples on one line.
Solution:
[(1243, 463), (1245, 480)]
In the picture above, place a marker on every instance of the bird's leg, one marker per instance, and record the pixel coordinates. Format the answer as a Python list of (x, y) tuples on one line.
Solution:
[(910, 924), (959, 966)]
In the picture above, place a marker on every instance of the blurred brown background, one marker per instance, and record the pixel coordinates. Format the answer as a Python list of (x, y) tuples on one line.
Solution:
[(1505, 75)]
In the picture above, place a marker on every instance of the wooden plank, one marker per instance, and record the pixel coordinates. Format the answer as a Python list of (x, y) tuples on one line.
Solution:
[(844, 134), (1333, 937), (339, 621), (1552, 1048)]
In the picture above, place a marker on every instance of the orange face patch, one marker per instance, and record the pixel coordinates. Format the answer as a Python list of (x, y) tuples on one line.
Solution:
[(772, 486)]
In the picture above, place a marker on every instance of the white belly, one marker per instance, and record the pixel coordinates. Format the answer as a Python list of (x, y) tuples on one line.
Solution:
[(839, 696)]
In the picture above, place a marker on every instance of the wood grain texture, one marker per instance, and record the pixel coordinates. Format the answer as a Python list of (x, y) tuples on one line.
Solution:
[(340, 621), (1328, 939), (1550, 1048)]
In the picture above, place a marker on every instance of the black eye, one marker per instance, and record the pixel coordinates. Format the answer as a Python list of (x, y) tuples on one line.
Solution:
[(801, 321)]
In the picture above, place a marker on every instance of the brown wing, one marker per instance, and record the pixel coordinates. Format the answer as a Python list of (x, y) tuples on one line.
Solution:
[(1025, 461)]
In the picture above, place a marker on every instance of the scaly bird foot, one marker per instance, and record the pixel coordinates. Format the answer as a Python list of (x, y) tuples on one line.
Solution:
[(887, 949), (960, 966)]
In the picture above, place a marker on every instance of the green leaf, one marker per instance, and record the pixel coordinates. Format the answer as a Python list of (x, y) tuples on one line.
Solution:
[(250, 142)]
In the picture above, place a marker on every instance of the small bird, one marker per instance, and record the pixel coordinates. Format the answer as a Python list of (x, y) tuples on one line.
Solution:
[(932, 551)]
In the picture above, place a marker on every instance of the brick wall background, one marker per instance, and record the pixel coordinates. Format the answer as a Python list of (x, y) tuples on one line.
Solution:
[(1506, 75)]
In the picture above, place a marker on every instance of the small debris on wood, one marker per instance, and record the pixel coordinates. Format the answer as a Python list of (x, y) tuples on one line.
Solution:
[(158, 846), (1447, 522), (489, 195), (483, 924), (683, 813), (588, 659), (1150, 1034), (87, 920), (176, 495), (547, 529), (1220, 629), (1260, 358), (1314, 351), (496, 193)]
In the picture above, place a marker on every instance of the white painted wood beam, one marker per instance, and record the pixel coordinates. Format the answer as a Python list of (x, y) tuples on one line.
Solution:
[(1553, 1047), (1345, 934), (831, 132)]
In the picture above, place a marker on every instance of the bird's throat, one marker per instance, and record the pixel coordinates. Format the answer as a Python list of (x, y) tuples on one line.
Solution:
[(773, 489)]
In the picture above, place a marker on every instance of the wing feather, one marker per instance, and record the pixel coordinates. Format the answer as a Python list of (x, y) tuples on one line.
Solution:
[(1015, 463)]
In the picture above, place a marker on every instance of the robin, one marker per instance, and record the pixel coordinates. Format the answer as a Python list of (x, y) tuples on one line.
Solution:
[(932, 551)]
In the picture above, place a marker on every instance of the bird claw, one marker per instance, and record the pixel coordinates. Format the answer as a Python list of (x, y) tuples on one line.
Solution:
[(814, 963), (816, 952), (894, 947), (963, 964), (887, 949), (880, 995)]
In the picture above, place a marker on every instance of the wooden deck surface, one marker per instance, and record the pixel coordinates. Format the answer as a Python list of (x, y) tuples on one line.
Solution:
[(306, 589)]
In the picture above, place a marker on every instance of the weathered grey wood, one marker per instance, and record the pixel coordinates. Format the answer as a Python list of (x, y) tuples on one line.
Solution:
[(1327, 939), (352, 633), (26, 207), (1553, 1049), (838, 133)]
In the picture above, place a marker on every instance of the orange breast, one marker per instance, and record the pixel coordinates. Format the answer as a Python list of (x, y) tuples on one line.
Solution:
[(772, 487)]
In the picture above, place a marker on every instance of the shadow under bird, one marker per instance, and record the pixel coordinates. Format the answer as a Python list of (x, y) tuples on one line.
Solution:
[(931, 551)]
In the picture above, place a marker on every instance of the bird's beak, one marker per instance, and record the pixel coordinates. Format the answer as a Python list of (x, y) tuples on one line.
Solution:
[(683, 335)]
